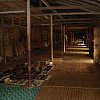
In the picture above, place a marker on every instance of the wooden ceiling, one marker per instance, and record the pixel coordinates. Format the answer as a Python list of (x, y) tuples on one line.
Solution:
[(69, 12)]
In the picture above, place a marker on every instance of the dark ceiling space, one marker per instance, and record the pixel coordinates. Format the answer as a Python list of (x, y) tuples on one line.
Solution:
[(37, 3), (74, 8), (69, 12)]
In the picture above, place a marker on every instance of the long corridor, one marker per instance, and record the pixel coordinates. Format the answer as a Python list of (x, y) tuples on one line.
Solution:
[(72, 78)]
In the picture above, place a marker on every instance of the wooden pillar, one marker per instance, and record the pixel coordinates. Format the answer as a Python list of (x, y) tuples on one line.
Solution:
[(51, 36), (71, 38), (96, 35), (64, 38), (91, 43), (61, 39), (29, 42), (3, 41), (1, 38), (97, 44), (3, 44), (0, 42)]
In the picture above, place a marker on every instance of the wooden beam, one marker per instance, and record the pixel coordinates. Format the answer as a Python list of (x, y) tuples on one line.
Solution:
[(64, 7), (79, 22), (75, 4), (76, 19), (93, 8), (8, 0), (51, 36), (92, 2), (12, 12), (19, 5), (70, 13), (79, 27), (69, 20), (47, 4), (57, 7), (29, 42)]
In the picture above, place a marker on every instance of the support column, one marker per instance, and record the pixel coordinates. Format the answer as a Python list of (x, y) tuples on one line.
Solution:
[(61, 39), (51, 36), (1, 39), (72, 38), (91, 45), (29, 42), (0, 42), (64, 38), (97, 44)]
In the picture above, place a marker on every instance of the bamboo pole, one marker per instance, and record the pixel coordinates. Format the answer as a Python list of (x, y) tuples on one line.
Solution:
[(51, 36), (29, 42)]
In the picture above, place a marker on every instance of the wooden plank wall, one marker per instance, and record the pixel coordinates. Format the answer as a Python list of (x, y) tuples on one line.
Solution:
[(13, 38)]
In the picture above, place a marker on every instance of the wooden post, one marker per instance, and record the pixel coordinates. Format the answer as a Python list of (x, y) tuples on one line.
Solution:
[(91, 43), (0, 41), (97, 45), (29, 42), (14, 38), (61, 39), (3, 41), (51, 36), (64, 38), (70, 38), (1, 38)]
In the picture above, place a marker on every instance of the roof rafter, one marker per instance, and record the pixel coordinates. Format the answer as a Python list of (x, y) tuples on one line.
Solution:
[(71, 3), (90, 7), (92, 2), (47, 4)]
